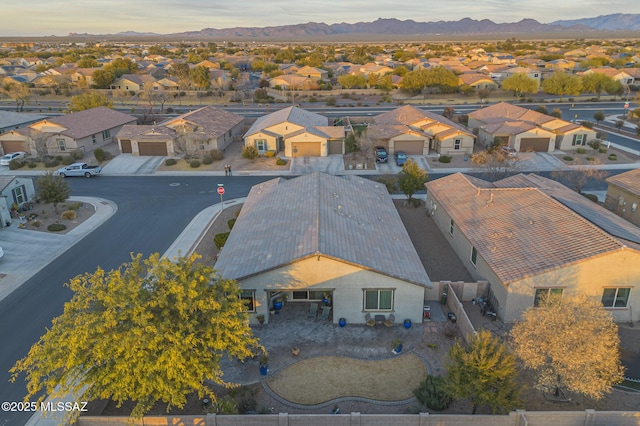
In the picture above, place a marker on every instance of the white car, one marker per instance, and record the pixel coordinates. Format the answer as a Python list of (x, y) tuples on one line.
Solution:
[(6, 159)]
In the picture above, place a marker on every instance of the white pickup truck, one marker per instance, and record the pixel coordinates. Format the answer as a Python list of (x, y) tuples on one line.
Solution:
[(79, 169)]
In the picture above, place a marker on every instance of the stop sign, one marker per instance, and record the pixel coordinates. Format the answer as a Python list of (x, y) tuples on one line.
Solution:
[(220, 190), (626, 105)]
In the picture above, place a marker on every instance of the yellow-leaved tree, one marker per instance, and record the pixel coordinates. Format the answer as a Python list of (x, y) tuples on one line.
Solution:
[(152, 330), (572, 344)]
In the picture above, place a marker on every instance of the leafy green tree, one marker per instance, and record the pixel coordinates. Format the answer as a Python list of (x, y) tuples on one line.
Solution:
[(151, 330), (570, 343), (121, 66), (52, 189), (102, 79), (614, 88), (350, 81), (412, 178), (598, 116), (440, 77), (385, 83), (484, 372), (561, 83), (520, 83), (596, 83), (557, 113), (373, 80), (19, 92), (88, 62), (400, 71), (200, 77), (483, 94), (88, 100)]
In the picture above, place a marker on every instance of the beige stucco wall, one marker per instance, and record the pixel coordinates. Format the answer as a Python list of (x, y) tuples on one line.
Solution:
[(306, 137), (446, 146), (344, 280), (272, 144), (622, 202), (284, 129), (563, 142)]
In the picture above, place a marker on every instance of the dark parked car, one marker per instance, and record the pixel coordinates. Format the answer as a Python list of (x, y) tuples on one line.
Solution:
[(401, 157), (381, 154)]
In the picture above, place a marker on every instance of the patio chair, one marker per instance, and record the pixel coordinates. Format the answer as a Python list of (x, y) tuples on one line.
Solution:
[(370, 321), (389, 321), (313, 310), (325, 312)]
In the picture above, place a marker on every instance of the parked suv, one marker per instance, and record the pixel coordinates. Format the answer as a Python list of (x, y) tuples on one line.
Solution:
[(401, 157), (381, 154)]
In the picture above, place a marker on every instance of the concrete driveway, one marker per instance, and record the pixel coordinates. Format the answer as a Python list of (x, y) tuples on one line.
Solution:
[(127, 164)]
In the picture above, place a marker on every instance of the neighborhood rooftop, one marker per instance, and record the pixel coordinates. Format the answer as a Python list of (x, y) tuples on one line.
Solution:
[(291, 114), (629, 181), (91, 121), (526, 224), (320, 214)]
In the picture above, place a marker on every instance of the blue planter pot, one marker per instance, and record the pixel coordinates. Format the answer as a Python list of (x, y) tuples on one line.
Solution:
[(397, 349), (342, 322), (407, 324), (277, 305), (264, 369)]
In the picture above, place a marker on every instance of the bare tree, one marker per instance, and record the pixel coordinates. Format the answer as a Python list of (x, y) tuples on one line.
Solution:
[(580, 174), (39, 141), (495, 164)]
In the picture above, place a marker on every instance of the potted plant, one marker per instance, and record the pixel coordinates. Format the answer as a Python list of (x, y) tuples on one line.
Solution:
[(277, 304), (326, 298), (396, 346), (264, 365), (407, 324), (295, 350), (342, 322), (260, 319)]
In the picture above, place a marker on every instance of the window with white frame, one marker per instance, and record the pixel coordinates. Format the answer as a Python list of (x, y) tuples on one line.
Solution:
[(19, 194), (307, 295), (378, 300), (457, 143), (474, 256), (616, 297), (61, 145), (261, 144), (546, 292), (579, 140), (249, 299), (106, 134)]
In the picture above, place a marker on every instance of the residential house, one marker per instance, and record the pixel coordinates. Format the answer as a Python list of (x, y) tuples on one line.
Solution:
[(83, 130), (84, 76), (198, 131), (132, 82), (293, 82), (478, 81), (209, 64), (417, 132), (14, 191), (527, 130), (298, 132), (313, 73), (623, 195), (532, 73), (530, 236), (10, 120), (372, 68), (619, 75), (317, 236)]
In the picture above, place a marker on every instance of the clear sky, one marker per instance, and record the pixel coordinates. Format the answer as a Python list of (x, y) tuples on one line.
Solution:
[(60, 17)]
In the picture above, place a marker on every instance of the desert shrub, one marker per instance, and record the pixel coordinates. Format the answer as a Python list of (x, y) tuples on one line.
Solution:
[(567, 158), (270, 154), (170, 162), (432, 393), (220, 239), (225, 405), (51, 162), (444, 159), (216, 154), (591, 159), (612, 157), (58, 157), (68, 215), (194, 164), (66, 161), (77, 155), (416, 202), (281, 161), (595, 144), (32, 165), (250, 152), (73, 206), (230, 223), (207, 160), (16, 164), (602, 150), (248, 405), (581, 151), (56, 227), (99, 154)]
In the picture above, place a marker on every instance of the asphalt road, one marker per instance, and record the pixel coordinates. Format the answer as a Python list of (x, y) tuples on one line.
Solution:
[(152, 212)]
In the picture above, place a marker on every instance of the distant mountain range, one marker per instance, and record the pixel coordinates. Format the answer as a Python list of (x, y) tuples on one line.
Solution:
[(617, 21), (408, 27)]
